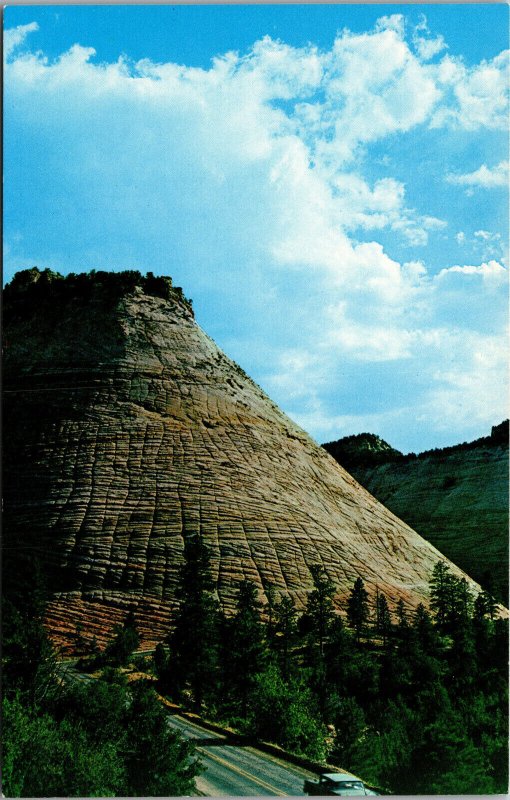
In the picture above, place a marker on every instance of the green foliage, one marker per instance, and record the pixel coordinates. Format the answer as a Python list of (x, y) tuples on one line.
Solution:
[(348, 719), (320, 610), (158, 762), (245, 654), (45, 758), (383, 618), (125, 641), (446, 761), (283, 712), (28, 659), (194, 643), (95, 740), (285, 637), (357, 607), (33, 288)]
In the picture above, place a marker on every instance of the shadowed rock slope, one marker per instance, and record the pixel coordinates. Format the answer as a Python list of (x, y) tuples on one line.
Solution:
[(127, 430), (456, 497)]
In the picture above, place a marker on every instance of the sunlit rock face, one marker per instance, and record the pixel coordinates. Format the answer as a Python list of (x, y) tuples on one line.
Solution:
[(457, 497), (127, 430)]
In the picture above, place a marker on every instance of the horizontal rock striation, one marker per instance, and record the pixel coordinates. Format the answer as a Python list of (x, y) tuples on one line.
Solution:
[(128, 430)]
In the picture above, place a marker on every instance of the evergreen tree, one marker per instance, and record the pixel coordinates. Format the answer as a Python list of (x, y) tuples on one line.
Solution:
[(357, 608), (463, 601), (158, 762), (450, 599), (270, 610), (124, 643), (480, 608), (285, 634), (246, 653), (403, 629), (440, 592), (28, 658), (194, 642), (489, 592), (340, 660), (320, 609), (318, 618), (350, 725), (425, 633), (383, 623), (161, 664)]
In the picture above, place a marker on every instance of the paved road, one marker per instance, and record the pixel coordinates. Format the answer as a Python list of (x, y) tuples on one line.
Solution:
[(239, 771), (231, 769)]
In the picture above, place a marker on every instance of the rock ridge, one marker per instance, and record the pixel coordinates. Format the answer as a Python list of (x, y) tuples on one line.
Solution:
[(456, 497)]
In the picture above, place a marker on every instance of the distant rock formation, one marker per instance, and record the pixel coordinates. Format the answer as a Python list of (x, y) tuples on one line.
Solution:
[(456, 497), (126, 430), (362, 449)]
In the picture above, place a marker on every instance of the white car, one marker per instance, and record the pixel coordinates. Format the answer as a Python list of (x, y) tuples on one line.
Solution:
[(336, 783)]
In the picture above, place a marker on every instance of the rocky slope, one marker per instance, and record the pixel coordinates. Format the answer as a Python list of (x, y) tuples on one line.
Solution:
[(457, 497), (127, 430)]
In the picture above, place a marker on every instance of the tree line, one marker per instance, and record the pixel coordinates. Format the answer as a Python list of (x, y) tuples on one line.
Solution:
[(412, 702)]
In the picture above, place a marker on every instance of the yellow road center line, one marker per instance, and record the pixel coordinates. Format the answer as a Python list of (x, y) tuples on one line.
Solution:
[(242, 772)]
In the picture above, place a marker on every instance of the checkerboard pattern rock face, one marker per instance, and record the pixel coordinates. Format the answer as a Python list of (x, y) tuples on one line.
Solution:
[(128, 430)]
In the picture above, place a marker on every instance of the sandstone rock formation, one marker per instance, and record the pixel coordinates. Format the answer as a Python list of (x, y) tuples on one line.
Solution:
[(127, 430), (457, 497)]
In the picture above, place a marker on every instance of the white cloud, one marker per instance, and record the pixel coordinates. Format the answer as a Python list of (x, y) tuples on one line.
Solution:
[(13, 37), (491, 272), (462, 390), (483, 177), (427, 46), (473, 97), (257, 203)]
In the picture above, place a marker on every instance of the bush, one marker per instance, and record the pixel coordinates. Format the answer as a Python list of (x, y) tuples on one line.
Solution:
[(283, 713), (43, 757)]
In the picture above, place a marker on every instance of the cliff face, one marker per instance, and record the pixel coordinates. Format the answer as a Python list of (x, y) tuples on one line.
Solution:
[(127, 430), (457, 498)]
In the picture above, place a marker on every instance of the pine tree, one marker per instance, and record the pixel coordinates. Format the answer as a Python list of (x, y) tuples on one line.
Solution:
[(424, 630), (286, 633), (270, 610), (193, 659), (357, 608), (462, 602), (124, 643), (158, 762), (383, 617), (442, 595), (320, 609), (246, 654)]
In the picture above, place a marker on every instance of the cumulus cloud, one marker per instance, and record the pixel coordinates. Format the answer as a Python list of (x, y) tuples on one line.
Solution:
[(13, 37), (484, 177), (249, 182), (427, 46), (473, 97), (491, 271)]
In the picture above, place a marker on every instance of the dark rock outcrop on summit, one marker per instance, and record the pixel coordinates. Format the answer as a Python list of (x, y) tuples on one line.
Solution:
[(127, 430), (456, 497)]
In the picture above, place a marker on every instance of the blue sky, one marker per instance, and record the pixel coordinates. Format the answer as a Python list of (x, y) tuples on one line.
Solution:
[(328, 183)]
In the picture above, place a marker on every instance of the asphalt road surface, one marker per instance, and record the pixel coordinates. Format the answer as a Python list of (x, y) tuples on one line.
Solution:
[(237, 770)]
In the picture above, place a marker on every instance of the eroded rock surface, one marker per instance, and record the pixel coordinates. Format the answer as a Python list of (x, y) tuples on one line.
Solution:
[(457, 498), (127, 430)]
